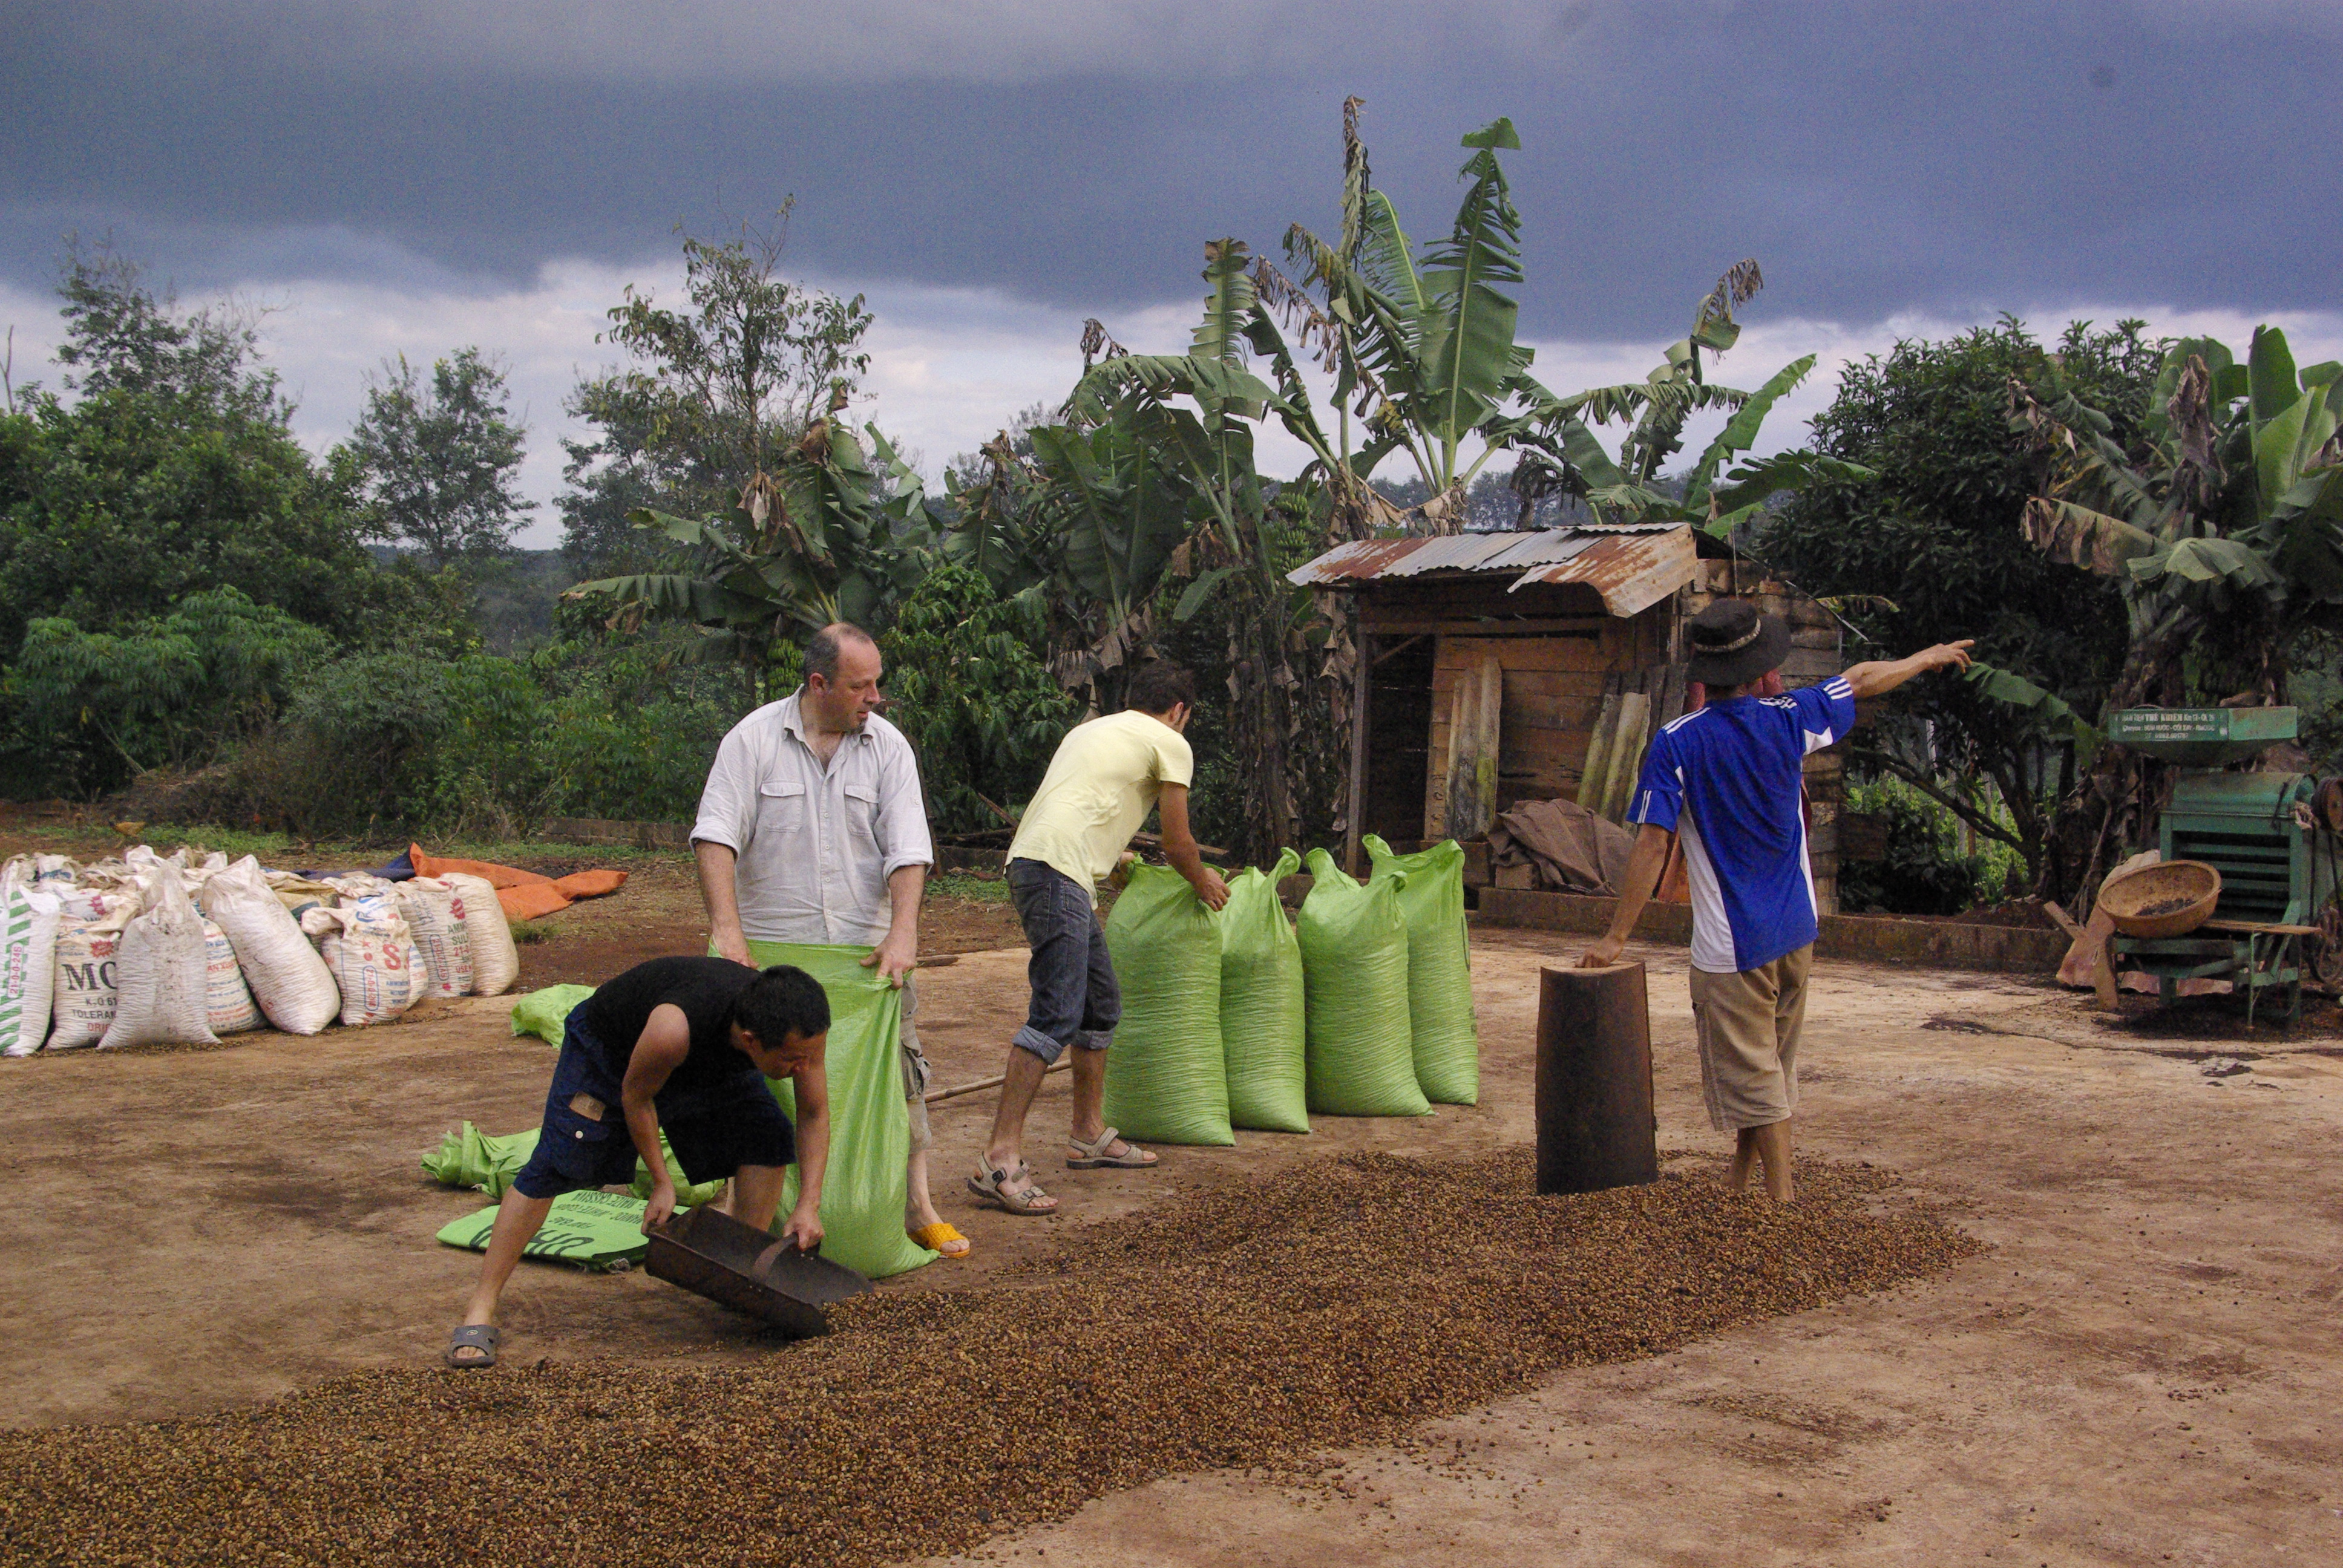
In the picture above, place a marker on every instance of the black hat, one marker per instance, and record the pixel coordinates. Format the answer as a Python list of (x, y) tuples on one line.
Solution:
[(1733, 644)]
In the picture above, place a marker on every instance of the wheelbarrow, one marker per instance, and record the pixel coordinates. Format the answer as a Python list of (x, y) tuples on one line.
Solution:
[(750, 1270)]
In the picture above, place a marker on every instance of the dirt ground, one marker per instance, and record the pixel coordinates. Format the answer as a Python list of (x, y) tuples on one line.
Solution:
[(2140, 1372)]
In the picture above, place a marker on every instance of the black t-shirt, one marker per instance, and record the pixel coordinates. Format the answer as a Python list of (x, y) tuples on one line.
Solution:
[(614, 1017)]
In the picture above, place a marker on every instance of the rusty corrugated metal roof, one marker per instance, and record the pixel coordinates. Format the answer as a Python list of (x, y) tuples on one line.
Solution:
[(1631, 571), (1631, 565)]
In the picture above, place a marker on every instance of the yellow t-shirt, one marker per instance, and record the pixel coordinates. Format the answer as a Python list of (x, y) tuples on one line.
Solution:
[(1100, 787)]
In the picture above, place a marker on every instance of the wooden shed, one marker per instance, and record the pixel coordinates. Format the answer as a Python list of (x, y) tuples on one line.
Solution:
[(1500, 668)]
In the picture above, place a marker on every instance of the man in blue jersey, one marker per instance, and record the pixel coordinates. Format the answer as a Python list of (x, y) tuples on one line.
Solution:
[(1723, 781)]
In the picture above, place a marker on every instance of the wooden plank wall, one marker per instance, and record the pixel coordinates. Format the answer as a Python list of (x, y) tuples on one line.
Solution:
[(1554, 680), (1554, 685)]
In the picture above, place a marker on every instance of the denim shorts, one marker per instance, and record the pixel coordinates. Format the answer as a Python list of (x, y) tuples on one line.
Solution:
[(714, 1132), (1075, 999)]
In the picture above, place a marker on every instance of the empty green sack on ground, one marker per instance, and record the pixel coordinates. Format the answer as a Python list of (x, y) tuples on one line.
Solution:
[(1264, 1032), (1362, 1061), (487, 1163), (1165, 1077), (594, 1231), (1447, 1040), (864, 1189), (544, 1012)]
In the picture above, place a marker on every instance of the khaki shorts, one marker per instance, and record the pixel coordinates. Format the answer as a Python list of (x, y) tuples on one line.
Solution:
[(915, 1071), (1748, 1026)]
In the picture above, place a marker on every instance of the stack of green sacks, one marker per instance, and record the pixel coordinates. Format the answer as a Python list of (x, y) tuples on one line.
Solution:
[(1166, 1078), (1353, 939), (1447, 1040), (864, 1191), (1262, 1028)]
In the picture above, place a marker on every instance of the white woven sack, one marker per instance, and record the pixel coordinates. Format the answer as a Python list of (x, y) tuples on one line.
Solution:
[(375, 961), (288, 979), (29, 960), (162, 968), (496, 962), (228, 1000), (86, 978), (94, 904), (435, 919)]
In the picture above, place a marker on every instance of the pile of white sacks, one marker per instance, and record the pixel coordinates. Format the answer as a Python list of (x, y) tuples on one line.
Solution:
[(170, 950)]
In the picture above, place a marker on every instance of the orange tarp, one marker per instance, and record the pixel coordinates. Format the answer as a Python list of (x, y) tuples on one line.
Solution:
[(497, 876), (525, 895)]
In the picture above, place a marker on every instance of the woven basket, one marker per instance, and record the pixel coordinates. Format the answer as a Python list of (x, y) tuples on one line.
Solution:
[(2168, 899)]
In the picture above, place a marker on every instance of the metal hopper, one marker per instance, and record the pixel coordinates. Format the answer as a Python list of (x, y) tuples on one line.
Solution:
[(750, 1270)]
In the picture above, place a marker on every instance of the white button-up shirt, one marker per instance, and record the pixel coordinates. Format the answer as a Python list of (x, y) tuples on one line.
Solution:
[(815, 843)]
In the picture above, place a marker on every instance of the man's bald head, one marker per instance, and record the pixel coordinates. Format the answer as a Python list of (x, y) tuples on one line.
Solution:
[(822, 653), (841, 678)]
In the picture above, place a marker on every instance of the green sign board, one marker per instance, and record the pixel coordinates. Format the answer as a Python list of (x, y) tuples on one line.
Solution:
[(2201, 737)]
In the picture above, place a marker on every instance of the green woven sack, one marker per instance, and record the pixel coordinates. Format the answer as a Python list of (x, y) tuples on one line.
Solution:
[(1165, 1078), (543, 1013), (487, 1163), (594, 1231), (864, 1189), (1355, 967), (1263, 1031), (1439, 968)]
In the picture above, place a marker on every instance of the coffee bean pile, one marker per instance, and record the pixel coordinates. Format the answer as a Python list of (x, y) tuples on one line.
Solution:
[(1255, 1324)]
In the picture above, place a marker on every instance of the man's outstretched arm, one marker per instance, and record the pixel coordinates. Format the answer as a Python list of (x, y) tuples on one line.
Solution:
[(1880, 676)]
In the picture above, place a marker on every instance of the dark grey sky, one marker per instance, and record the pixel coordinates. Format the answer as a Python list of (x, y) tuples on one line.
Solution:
[(1947, 158)]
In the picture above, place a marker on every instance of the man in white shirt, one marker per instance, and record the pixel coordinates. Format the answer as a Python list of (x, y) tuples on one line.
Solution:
[(812, 829), (1106, 776)]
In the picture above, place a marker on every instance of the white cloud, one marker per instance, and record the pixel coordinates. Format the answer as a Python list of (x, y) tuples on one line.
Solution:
[(951, 367)]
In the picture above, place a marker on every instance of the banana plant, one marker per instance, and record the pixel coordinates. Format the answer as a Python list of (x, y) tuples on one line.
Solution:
[(1559, 451), (825, 539), (2222, 528), (1423, 352), (2225, 534), (1184, 423)]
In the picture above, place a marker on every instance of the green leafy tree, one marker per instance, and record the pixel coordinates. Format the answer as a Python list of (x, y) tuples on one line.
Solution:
[(1422, 349), (1722, 491), (720, 389), (2219, 521), (171, 469), (172, 691), (436, 468), (967, 684), (1928, 549), (609, 476)]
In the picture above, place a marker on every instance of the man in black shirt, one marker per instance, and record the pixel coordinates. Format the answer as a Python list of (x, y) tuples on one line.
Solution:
[(685, 1043)]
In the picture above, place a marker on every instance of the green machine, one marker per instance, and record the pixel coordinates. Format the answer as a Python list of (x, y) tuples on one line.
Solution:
[(2276, 860)]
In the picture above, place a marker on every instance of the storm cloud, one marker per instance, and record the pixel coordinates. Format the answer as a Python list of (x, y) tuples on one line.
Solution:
[(405, 177), (1947, 158)]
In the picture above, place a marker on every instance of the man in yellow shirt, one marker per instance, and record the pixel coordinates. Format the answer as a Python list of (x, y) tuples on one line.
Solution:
[(1107, 775)]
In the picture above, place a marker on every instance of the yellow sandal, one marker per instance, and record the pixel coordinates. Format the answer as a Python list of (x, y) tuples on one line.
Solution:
[(940, 1237)]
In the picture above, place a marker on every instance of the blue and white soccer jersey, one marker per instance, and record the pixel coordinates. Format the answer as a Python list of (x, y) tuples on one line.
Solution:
[(1725, 778)]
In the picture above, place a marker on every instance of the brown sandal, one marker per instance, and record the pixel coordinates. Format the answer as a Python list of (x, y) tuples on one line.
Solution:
[(1093, 1155), (991, 1185)]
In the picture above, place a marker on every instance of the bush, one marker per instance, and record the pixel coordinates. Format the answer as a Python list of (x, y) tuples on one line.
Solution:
[(169, 691), (967, 686), (478, 746), (1924, 872)]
